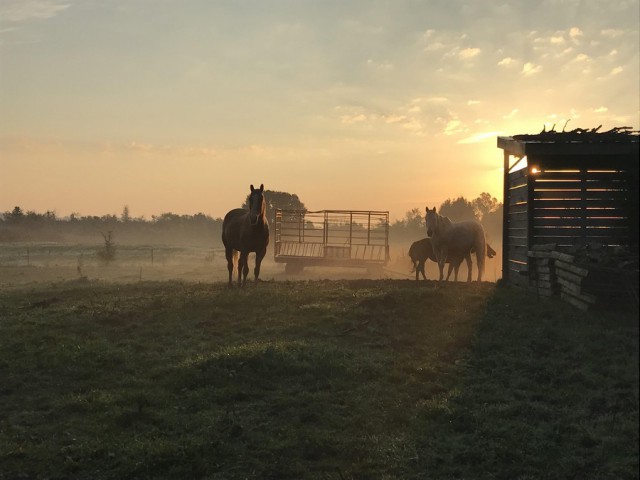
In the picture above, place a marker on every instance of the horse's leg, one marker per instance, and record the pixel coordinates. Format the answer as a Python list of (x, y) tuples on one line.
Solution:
[(481, 250), (441, 268), (480, 260), (245, 269), (449, 272), (259, 256), (469, 265), (240, 260), (228, 252), (442, 259), (242, 268), (421, 266)]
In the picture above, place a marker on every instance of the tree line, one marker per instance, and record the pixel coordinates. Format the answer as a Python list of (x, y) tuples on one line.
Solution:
[(485, 208), (17, 225)]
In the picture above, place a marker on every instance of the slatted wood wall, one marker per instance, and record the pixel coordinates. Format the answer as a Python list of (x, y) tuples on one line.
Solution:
[(583, 201), (517, 226)]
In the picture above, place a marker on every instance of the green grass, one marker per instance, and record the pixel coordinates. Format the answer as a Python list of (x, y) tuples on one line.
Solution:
[(320, 379)]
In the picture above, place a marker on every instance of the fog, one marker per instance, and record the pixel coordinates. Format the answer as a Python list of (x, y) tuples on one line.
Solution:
[(30, 263)]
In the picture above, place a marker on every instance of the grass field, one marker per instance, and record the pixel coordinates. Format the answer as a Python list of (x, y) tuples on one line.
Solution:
[(318, 379), (28, 263)]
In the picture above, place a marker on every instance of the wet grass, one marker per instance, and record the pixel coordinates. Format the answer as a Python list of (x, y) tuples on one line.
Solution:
[(313, 379)]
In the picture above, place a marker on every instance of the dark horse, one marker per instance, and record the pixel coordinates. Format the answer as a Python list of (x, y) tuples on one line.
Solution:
[(422, 250), (246, 231)]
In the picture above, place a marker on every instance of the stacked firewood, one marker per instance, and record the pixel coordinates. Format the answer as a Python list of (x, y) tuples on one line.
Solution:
[(585, 276), (592, 135)]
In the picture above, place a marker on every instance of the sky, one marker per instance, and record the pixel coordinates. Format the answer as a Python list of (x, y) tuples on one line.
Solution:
[(179, 105)]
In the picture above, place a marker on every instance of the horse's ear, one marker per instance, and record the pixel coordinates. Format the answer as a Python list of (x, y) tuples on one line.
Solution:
[(262, 187), (252, 188)]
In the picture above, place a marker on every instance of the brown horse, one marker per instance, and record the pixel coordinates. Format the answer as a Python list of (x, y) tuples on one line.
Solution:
[(246, 231), (419, 252), (449, 238), (422, 250)]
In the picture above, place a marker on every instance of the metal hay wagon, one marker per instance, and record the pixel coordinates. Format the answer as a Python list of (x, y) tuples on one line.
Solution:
[(343, 238)]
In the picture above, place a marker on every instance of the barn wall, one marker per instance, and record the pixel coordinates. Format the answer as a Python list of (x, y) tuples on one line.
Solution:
[(575, 191), (517, 226), (577, 201)]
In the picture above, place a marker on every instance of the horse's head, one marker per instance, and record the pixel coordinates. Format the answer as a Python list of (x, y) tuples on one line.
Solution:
[(257, 205), (431, 219)]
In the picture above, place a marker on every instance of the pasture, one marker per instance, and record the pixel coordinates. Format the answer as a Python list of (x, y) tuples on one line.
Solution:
[(29, 264), (311, 379)]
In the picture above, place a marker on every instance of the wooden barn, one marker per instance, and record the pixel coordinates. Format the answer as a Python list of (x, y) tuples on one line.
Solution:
[(568, 189)]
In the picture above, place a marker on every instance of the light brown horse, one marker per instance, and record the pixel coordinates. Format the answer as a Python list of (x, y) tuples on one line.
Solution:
[(246, 231), (449, 238), (422, 250)]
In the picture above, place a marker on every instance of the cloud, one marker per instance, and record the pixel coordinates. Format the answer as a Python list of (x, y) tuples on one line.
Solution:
[(48, 144), (530, 69), (505, 62), (454, 126), (430, 42), (611, 33), (405, 122), (395, 118), (557, 40), (613, 73), (436, 100), (20, 10), (575, 33), (600, 110), (434, 46), (351, 119), (379, 65), (141, 147), (511, 114), (468, 53)]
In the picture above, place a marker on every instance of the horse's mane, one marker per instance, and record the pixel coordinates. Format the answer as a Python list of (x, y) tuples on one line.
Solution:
[(446, 221)]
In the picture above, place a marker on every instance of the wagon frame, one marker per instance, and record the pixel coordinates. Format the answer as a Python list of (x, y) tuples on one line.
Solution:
[(336, 238)]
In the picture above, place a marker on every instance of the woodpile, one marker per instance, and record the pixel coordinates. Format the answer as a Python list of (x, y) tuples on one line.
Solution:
[(592, 135), (585, 276)]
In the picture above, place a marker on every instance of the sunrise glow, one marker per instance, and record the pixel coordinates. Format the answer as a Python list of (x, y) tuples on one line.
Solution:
[(179, 106)]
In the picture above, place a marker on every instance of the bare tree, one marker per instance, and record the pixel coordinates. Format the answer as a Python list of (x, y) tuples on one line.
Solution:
[(108, 253)]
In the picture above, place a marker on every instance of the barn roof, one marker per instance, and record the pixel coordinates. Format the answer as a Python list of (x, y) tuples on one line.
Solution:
[(580, 141)]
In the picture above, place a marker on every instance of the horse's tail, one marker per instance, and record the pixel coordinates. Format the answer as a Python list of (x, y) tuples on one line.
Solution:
[(480, 244), (490, 251)]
